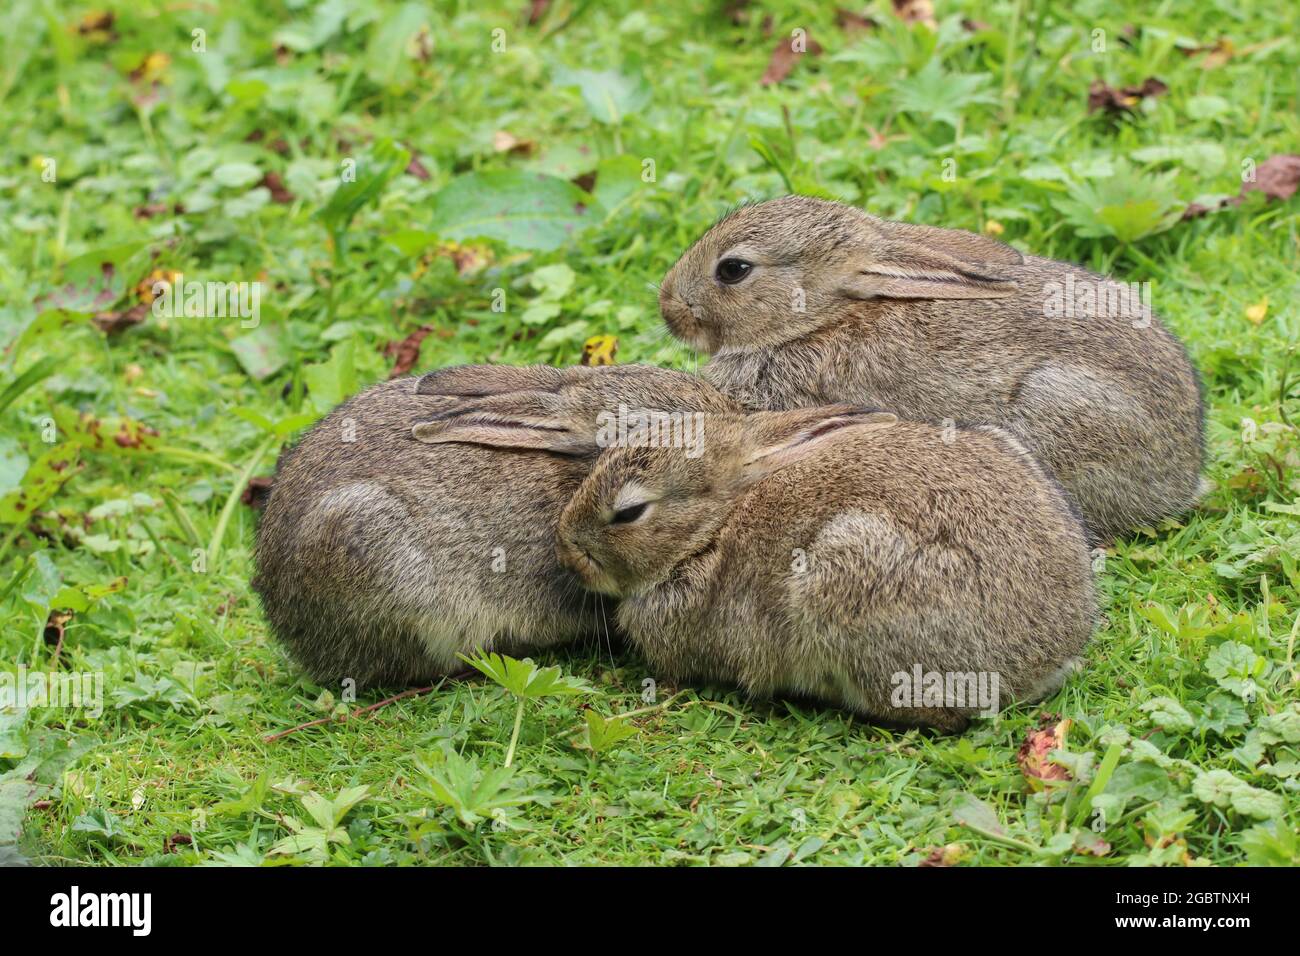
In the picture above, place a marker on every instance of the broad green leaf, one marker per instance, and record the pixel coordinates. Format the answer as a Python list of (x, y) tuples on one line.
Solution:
[(609, 94), (372, 173), (38, 370), (262, 352), (523, 678), (605, 734), (330, 382), (617, 179), (525, 210), (388, 60), (110, 433), (43, 478), (473, 793)]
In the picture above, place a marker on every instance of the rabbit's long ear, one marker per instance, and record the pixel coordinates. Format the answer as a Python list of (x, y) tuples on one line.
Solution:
[(925, 262), (478, 380), (497, 431), (783, 438), (534, 419)]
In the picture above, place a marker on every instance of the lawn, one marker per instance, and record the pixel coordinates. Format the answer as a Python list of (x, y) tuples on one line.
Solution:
[(413, 185)]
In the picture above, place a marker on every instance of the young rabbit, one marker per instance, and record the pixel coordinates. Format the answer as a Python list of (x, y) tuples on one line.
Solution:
[(807, 302), (842, 554), (380, 557)]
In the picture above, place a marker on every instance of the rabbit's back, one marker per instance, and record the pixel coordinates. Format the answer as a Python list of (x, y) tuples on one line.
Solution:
[(380, 558), (890, 550)]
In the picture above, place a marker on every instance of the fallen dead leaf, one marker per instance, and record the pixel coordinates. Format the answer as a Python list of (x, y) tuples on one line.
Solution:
[(406, 352), (1090, 844), (1216, 54), (151, 209), (468, 259), (97, 27), (1102, 96), (506, 142), (851, 22), (152, 69), (416, 168), (949, 855), (144, 288), (275, 186), (1276, 177), (786, 54), (113, 321), (536, 10), (599, 350), (1033, 754), (916, 11), (176, 839)]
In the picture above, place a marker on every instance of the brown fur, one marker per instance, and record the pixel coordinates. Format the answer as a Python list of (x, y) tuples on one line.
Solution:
[(955, 551), (942, 324), (382, 558)]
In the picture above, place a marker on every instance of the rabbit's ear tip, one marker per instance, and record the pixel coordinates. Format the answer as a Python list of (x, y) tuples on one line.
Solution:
[(428, 384), (428, 432)]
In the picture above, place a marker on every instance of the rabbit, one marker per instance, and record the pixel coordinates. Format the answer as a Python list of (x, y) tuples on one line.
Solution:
[(839, 553), (380, 557), (806, 302)]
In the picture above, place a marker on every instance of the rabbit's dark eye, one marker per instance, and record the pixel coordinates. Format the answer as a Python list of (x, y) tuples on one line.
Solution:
[(629, 514), (732, 271)]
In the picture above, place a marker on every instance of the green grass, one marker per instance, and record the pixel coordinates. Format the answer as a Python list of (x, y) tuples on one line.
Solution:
[(192, 681)]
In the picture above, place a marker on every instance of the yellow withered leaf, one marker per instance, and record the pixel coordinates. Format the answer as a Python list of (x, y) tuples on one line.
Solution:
[(144, 289), (599, 350), (1256, 313)]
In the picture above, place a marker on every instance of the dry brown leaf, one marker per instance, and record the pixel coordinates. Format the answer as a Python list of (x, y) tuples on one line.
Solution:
[(1216, 54), (406, 352), (536, 10), (1116, 100), (599, 350), (144, 288), (851, 22), (152, 69), (1033, 754), (506, 142), (1276, 177), (275, 186), (97, 27), (949, 855), (416, 168), (112, 322), (1255, 314), (786, 54), (916, 11)]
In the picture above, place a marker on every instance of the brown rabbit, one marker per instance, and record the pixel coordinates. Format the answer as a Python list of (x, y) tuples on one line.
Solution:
[(380, 557), (842, 554), (807, 302)]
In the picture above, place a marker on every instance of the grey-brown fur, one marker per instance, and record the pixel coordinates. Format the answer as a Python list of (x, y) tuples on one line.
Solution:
[(379, 559), (942, 324), (955, 551)]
